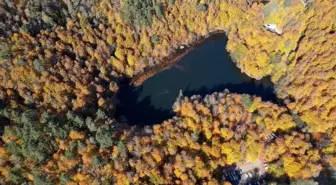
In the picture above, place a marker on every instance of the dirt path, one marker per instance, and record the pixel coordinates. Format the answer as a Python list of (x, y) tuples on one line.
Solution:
[(246, 167)]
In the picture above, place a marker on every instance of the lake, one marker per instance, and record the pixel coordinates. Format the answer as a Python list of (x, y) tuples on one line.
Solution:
[(206, 69)]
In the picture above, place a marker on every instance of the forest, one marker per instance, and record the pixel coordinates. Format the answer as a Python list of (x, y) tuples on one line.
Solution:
[(62, 61)]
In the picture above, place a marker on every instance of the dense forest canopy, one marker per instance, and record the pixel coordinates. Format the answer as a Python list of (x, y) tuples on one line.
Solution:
[(61, 62)]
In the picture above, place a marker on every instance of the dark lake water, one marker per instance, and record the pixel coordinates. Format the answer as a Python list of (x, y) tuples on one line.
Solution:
[(207, 69)]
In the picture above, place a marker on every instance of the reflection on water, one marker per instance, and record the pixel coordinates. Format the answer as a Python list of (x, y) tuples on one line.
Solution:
[(207, 69)]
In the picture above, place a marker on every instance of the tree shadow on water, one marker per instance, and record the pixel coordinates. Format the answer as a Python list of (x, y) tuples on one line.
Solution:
[(137, 112), (252, 87), (143, 113)]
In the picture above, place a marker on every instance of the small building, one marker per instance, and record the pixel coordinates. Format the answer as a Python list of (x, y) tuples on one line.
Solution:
[(273, 28), (232, 174), (270, 137)]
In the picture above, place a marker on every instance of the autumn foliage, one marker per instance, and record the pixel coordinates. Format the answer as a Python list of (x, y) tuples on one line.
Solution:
[(61, 62), (204, 136)]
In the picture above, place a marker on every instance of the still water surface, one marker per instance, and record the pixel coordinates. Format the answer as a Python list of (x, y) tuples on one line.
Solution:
[(206, 69)]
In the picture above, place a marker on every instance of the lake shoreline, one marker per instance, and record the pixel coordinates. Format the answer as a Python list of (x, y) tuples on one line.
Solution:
[(203, 68), (170, 60)]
